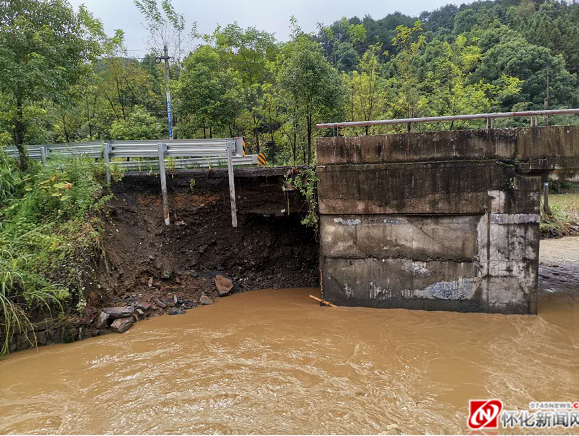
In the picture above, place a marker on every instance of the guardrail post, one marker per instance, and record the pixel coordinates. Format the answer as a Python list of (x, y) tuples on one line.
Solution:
[(162, 149), (43, 155), (106, 155), (229, 150)]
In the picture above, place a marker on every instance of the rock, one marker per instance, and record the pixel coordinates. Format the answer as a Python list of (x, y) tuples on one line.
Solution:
[(135, 317), (150, 282), (143, 306), (176, 311), (101, 321), (119, 312), (121, 325), (188, 304), (205, 300), (194, 274), (175, 299), (223, 285), (140, 313), (160, 303), (41, 338)]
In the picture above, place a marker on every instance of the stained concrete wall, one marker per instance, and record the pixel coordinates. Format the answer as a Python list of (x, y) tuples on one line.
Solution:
[(437, 221)]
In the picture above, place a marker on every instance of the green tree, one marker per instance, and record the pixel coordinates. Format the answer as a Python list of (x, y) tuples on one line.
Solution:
[(408, 80), (530, 63), (366, 88), (312, 83), (138, 125), (166, 27), (450, 85), (207, 91), (247, 51), (45, 47)]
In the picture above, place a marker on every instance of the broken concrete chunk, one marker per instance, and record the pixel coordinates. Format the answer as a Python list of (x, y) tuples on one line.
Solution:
[(121, 325), (223, 285), (160, 303), (140, 313), (119, 312)]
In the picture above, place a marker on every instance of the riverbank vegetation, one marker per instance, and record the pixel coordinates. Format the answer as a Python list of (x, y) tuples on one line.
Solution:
[(564, 206), (49, 233)]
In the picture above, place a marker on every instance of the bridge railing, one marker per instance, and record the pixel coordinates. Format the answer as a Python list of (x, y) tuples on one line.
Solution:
[(490, 117)]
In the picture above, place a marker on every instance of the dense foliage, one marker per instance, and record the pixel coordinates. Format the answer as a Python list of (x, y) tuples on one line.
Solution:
[(68, 82), (48, 234)]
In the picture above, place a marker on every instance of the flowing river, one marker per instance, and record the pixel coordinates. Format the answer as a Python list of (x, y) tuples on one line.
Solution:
[(274, 361)]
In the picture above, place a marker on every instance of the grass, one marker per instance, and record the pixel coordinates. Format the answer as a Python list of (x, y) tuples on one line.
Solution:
[(565, 213), (48, 224), (569, 203)]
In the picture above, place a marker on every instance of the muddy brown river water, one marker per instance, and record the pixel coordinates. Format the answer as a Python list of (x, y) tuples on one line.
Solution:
[(276, 362)]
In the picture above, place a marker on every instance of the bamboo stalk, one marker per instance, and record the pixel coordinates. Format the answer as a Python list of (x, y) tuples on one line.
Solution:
[(324, 302)]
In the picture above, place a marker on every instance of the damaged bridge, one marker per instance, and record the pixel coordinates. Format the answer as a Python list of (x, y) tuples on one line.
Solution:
[(438, 221)]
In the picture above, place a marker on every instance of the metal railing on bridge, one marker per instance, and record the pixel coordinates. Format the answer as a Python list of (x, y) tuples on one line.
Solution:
[(155, 155), (490, 117)]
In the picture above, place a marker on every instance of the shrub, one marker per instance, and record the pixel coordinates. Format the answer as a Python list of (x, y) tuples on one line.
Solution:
[(47, 221), (140, 124)]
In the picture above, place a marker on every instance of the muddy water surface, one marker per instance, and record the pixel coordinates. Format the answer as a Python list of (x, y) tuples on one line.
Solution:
[(276, 362)]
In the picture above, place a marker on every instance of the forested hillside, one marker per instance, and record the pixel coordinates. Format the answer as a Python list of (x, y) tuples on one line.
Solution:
[(63, 80)]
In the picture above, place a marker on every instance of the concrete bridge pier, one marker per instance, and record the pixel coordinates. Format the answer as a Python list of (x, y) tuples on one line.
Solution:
[(436, 221)]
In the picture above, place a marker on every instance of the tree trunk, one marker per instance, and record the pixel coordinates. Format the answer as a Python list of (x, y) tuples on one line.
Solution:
[(295, 146), (309, 139), (64, 128), (256, 134), (19, 132)]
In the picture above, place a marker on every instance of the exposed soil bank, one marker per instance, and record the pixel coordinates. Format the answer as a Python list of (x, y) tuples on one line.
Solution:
[(146, 261), (269, 249)]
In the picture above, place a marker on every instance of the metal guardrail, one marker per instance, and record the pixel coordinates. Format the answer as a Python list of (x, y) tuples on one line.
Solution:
[(135, 149), (158, 155), (488, 116)]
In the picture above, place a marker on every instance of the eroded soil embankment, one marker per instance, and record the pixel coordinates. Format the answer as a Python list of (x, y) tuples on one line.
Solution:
[(147, 259)]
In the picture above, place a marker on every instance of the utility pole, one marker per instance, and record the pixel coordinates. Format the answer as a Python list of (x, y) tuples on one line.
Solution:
[(546, 106), (167, 58)]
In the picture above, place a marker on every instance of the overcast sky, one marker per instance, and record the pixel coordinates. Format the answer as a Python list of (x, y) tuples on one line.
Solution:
[(269, 15)]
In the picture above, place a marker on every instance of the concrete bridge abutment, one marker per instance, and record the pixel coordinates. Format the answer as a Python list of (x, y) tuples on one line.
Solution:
[(437, 221)]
